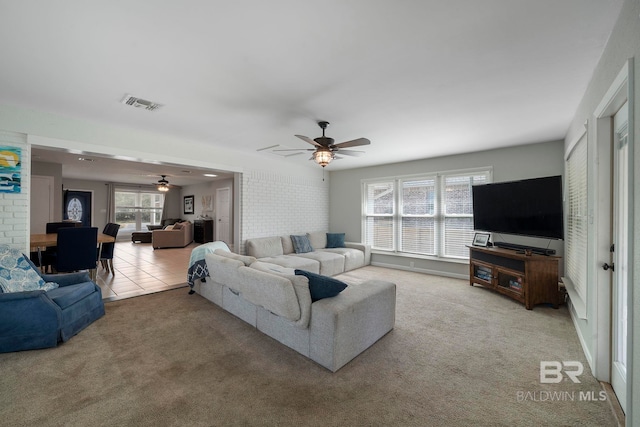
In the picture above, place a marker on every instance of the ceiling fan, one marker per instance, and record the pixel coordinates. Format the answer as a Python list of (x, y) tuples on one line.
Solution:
[(163, 184), (325, 150)]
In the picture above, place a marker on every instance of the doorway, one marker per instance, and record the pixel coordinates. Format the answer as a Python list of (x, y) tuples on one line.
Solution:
[(41, 199), (223, 214), (612, 240)]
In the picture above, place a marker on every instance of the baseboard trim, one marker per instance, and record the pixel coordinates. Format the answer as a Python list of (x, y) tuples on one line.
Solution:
[(583, 343), (421, 270)]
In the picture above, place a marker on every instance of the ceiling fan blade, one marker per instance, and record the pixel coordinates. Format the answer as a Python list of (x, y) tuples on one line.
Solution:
[(354, 143), (309, 140), (296, 149), (350, 152)]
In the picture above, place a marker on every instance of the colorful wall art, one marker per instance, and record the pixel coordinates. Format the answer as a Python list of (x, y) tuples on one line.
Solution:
[(10, 164)]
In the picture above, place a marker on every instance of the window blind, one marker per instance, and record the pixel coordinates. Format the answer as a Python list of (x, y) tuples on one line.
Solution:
[(379, 210), (418, 216), (577, 218), (427, 215), (458, 212)]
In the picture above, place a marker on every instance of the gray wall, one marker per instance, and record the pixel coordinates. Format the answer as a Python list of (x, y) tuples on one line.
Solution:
[(525, 161), (623, 44), (206, 189)]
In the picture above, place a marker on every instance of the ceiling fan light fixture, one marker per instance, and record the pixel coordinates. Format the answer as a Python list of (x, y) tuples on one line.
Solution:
[(323, 157), (163, 184)]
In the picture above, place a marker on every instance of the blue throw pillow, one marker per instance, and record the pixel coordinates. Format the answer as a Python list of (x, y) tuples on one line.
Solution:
[(335, 240), (322, 286), (301, 244)]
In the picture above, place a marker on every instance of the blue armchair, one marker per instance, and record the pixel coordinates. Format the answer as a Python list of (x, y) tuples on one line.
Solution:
[(43, 317)]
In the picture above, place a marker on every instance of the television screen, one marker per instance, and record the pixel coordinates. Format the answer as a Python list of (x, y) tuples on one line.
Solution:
[(530, 207)]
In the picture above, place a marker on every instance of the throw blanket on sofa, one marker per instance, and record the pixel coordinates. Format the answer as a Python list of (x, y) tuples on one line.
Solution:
[(197, 266)]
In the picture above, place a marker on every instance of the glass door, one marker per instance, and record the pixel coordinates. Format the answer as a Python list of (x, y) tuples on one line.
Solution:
[(620, 256)]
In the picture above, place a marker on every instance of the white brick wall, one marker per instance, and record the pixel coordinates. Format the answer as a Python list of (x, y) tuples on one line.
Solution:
[(274, 204), (14, 207)]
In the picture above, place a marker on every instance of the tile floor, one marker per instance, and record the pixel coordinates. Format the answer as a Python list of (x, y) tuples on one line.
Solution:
[(142, 270)]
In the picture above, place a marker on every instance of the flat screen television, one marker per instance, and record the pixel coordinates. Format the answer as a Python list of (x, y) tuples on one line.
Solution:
[(529, 207)]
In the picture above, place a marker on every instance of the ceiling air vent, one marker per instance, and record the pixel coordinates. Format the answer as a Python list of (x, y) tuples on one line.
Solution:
[(140, 103)]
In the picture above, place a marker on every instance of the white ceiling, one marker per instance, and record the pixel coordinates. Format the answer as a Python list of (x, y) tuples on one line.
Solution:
[(419, 78)]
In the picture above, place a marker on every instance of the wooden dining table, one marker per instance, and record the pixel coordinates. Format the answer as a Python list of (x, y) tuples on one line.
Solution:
[(40, 241), (45, 240)]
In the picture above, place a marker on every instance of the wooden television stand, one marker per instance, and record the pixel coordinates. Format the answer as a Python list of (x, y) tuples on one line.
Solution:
[(530, 279)]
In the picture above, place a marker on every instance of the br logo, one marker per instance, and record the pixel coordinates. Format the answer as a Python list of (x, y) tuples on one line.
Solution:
[(551, 371)]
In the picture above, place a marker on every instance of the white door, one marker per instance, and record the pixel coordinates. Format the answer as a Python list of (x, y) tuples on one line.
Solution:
[(620, 256), (223, 214), (41, 208)]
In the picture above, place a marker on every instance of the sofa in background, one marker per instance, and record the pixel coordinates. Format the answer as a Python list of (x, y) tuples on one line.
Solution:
[(280, 303), (53, 309), (177, 235), (318, 252), (163, 224)]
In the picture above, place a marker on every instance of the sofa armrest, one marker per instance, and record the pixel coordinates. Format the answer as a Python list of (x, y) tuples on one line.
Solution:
[(67, 279), (344, 326), (15, 296), (366, 249), (28, 320)]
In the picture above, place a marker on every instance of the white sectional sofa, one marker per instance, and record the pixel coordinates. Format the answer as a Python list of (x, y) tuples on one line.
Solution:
[(326, 261), (272, 298)]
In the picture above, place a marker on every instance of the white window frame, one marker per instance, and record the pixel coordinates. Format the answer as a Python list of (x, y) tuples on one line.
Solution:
[(397, 215), (138, 209)]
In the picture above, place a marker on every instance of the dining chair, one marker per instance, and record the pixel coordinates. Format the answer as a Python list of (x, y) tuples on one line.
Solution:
[(76, 249), (106, 255), (48, 256)]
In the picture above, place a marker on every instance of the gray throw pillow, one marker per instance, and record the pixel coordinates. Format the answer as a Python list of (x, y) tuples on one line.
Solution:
[(301, 244)]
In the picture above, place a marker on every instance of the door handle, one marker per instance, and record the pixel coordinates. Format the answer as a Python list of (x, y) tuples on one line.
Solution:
[(606, 266)]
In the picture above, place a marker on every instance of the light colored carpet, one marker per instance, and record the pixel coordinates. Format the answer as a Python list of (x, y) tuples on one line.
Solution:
[(458, 356)]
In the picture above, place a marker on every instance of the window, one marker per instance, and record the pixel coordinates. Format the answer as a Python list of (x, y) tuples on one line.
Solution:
[(576, 220), (135, 209), (428, 215)]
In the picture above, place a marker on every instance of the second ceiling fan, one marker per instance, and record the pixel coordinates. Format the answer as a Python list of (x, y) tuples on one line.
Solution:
[(325, 149)]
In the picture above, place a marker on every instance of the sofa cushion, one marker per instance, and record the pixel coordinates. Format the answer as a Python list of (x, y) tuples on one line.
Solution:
[(330, 263), (271, 291), (292, 261), (353, 258), (318, 240), (17, 273), (301, 244), (265, 247), (177, 226), (69, 295), (246, 260), (335, 240), (272, 268), (287, 245), (322, 286), (224, 270)]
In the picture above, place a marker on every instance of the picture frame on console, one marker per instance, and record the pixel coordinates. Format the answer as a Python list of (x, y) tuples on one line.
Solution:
[(481, 239), (188, 204)]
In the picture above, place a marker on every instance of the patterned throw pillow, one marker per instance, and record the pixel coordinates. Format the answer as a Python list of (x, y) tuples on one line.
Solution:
[(17, 275), (301, 244)]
